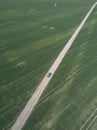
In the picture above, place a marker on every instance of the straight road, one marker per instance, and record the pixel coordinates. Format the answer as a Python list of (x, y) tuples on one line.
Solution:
[(24, 115)]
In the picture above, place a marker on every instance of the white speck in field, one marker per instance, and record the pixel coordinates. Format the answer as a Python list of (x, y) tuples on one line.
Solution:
[(10, 83), (45, 26), (20, 99), (32, 10), (52, 28), (28, 92), (12, 100), (21, 63), (11, 59), (57, 39), (55, 4)]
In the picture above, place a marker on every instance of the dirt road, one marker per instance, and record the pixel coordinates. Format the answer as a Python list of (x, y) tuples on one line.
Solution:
[(24, 115)]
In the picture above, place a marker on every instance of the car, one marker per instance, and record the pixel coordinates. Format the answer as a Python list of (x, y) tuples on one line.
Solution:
[(49, 74)]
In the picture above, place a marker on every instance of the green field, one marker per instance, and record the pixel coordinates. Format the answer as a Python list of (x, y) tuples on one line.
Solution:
[(32, 33)]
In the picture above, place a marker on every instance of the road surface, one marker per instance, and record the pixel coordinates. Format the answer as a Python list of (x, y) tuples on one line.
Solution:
[(24, 115)]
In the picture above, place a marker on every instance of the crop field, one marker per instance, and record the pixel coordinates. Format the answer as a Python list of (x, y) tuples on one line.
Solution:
[(32, 33)]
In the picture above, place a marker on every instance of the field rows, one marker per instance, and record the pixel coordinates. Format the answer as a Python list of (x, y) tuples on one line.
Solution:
[(32, 33)]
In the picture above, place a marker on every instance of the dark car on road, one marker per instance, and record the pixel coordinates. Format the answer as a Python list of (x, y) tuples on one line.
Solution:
[(49, 74)]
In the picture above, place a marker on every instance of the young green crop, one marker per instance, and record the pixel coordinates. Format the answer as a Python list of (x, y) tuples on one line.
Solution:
[(32, 33)]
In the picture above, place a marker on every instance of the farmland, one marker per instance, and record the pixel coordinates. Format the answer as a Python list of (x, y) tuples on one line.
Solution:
[(72, 98), (32, 33)]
